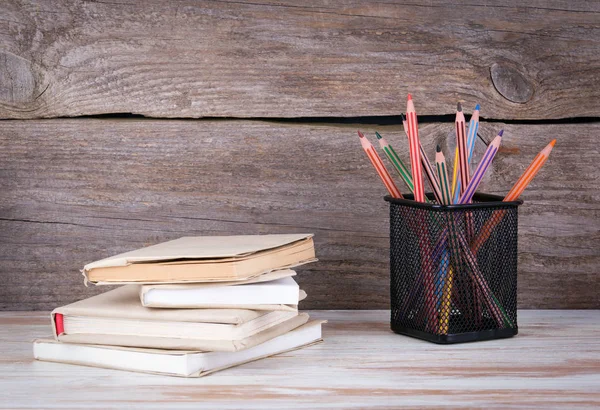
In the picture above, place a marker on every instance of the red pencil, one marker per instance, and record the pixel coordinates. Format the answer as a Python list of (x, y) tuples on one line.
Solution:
[(429, 172), (413, 144), (379, 167)]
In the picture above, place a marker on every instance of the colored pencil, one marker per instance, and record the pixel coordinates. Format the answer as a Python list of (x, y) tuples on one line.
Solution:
[(446, 309), (418, 157), (442, 173), (531, 171), (446, 271), (461, 143), (484, 164), (379, 167), (444, 278), (480, 283), (429, 172), (396, 162), (413, 144), (473, 128), (471, 137), (466, 198), (431, 177), (455, 172), (514, 194)]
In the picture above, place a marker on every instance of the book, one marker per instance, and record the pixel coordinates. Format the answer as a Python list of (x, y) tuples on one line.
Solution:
[(281, 294), (204, 259), (117, 318), (172, 362)]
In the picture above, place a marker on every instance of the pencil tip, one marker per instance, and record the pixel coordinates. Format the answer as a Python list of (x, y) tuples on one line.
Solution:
[(438, 148), (459, 107), (552, 142), (360, 134), (378, 136), (477, 107), (501, 133), (409, 96)]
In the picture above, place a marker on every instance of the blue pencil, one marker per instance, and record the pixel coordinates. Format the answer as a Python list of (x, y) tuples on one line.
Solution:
[(471, 137)]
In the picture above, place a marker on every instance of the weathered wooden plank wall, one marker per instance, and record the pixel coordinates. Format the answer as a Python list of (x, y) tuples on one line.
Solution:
[(81, 189), (75, 190), (288, 59)]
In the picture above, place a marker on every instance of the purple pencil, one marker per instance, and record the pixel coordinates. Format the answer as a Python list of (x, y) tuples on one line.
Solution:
[(489, 155)]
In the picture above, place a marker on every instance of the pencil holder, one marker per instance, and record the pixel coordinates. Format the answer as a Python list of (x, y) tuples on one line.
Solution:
[(453, 269)]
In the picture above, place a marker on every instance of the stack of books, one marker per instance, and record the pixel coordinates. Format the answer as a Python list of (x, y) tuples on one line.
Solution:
[(188, 307)]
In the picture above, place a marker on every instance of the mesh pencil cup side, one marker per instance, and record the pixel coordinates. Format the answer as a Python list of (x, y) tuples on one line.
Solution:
[(453, 269)]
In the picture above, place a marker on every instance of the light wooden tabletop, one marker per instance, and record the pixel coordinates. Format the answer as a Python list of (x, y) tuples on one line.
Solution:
[(553, 362)]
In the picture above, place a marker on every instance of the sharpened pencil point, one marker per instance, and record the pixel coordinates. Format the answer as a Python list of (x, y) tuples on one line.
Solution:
[(552, 142), (438, 148), (409, 97), (501, 133), (378, 136), (477, 107), (459, 107), (360, 134)]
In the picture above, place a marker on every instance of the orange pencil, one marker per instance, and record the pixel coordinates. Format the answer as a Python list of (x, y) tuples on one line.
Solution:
[(529, 173), (513, 194), (379, 167)]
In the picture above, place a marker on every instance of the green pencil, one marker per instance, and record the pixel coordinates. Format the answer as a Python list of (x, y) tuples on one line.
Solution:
[(397, 162)]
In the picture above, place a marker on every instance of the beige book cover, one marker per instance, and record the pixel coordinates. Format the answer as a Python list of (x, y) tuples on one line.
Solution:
[(124, 303), (188, 344), (204, 259), (117, 318), (173, 362)]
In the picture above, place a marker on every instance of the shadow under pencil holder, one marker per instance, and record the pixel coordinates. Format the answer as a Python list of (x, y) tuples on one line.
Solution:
[(453, 269)]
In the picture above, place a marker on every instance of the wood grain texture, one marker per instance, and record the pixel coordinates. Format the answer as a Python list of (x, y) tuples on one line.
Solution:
[(78, 190), (555, 360), (284, 59)]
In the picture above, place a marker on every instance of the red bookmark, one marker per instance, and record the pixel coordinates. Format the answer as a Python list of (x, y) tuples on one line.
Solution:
[(60, 327)]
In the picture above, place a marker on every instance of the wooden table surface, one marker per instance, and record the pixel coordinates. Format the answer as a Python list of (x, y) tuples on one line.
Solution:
[(553, 362)]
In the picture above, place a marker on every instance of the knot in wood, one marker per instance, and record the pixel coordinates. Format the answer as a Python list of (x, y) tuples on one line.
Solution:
[(17, 82), (511, 84)]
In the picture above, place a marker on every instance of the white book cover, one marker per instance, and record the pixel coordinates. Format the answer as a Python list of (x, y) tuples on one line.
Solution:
[(172, 362), (284, 291)]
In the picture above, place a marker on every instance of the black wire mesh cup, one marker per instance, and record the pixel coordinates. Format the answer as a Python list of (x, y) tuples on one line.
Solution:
[(453, 269)]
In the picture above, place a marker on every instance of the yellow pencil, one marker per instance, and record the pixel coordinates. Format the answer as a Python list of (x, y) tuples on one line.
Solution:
[(446, 308)]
